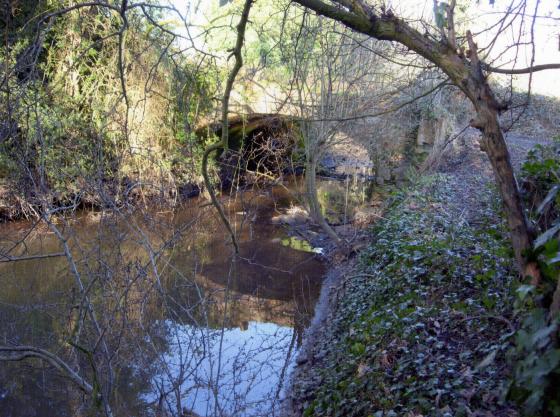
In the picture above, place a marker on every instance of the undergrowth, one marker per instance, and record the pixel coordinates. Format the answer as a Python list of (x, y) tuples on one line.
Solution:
[(426, 324), (536, 355)]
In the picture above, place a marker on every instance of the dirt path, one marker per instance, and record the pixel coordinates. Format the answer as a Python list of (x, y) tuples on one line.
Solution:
[(519, 146), (473, 170)]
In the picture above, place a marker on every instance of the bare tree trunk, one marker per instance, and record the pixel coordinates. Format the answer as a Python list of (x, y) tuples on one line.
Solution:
[(313, 201), (223, 143), (494, 144)]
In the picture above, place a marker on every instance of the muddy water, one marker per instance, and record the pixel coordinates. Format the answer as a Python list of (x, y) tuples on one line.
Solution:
[(190, 327)]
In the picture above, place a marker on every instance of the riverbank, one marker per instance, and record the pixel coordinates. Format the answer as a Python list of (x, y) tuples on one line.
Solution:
[(421, 322), (16, 204)]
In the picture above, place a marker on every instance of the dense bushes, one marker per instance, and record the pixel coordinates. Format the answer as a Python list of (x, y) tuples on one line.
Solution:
[(537, 354), (87, 123)]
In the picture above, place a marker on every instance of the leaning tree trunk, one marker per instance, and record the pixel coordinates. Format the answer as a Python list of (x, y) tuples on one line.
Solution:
[(465, 71), (487, 109), (494, 144)]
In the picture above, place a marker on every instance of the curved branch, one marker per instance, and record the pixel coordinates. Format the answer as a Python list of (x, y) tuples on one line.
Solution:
[(18, 353), (234, 71), (223, 144), (213, 198), (386, 26)]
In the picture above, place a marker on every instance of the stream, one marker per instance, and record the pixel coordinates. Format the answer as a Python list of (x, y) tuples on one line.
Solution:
[(194, 331)]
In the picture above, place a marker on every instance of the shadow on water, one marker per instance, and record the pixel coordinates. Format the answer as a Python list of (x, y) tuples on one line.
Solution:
[(192, 328)]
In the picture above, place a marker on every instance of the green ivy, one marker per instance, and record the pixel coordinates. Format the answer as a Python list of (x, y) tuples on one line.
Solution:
[(536, 354), (426, 282)]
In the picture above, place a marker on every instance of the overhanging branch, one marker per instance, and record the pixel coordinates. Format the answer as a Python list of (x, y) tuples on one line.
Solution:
[(520, 71), (223, 144)]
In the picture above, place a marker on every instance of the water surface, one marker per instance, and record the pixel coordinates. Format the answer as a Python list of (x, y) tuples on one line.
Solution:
[(192, 328)]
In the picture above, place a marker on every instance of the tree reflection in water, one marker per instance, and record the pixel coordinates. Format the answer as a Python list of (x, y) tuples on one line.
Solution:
[(166, 321)]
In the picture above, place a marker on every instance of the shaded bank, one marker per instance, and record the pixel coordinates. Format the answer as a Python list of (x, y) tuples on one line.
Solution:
[(263, 148), (423, 321)]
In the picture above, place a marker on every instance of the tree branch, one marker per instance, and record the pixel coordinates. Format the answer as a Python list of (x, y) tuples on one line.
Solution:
[(18, 353), (451, 38), (223, 143), (8, 258), (389, 27), (516, 71)]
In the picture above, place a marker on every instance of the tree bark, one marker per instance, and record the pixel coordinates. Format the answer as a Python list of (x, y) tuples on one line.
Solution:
[(466, 73), (223, 143), (313, 201), (494, 144)]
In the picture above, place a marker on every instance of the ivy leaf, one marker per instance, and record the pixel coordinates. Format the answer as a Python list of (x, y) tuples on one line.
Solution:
[(541, 336), (358, 348), (549, 234), (549, 197), (524, 290), (554, 260), (488, 360)]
